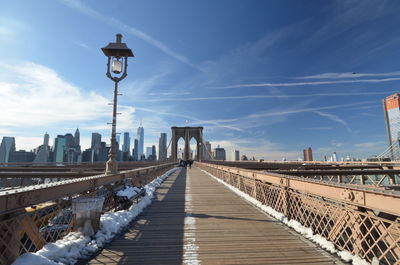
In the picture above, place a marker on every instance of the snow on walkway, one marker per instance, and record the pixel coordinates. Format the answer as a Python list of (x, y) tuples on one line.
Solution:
[(190, 255), (299, 228), (75, 245)]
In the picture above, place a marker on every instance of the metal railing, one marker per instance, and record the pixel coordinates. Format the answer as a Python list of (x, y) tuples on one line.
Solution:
[(32, 216), (371, 173), (364, 221), (16, 175)]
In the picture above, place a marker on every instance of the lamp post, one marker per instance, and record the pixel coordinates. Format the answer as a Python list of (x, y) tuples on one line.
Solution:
[(117, 53)]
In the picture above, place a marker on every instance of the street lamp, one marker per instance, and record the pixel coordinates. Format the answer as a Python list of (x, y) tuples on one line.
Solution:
[(117, 53)]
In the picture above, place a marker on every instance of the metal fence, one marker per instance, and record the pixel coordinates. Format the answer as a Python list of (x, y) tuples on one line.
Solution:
[(32, 216), (15, 175), (363, 221)]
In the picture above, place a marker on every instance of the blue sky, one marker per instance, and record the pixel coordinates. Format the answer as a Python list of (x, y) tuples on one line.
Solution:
[(266, 77)]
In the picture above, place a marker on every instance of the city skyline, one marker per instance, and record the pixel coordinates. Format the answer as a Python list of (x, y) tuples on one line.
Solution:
[(267, 84)]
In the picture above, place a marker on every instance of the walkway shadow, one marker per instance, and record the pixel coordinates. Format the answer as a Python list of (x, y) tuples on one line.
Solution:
[(200, 215), (156, 236)]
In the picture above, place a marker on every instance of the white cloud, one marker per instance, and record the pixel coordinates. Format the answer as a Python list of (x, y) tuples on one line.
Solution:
[(253, 120), (333, 118), (10, 28), (348, 75), (82, 45), (28, 143), (336, 144), (371, 145), (6, 131), (34, 98), (259, 148), (345, 94), (287, 111), (178, 93), (192, 120), (38, 96), (313, 83), (84, 9), (317, 128), (6, 33)]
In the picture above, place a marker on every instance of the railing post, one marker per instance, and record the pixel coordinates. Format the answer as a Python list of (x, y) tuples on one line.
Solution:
[(255, 189)]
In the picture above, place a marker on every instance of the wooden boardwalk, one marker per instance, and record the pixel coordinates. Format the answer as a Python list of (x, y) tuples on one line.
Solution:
[(196, 220)]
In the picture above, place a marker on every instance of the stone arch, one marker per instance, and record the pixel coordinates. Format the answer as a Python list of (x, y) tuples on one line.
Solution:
[(187, 133)]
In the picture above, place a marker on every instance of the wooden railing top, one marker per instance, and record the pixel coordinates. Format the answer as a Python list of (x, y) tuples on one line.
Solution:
[(14, 199), (370, 197)]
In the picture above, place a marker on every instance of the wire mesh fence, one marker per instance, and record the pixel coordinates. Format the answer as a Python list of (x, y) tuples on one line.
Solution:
[(29, 228), (368, 233)]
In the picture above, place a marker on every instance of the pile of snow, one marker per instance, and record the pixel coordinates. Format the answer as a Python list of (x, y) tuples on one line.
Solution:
[(75, 245), (298, 227), (128, 192)]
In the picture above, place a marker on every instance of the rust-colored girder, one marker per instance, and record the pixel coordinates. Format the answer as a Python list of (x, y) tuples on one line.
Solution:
[(11, 200), (339, 171)]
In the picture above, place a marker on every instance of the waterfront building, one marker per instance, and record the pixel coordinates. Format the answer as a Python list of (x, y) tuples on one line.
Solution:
[(43, 153), (235, 155), (149, 151), (96, 140), (59, 148), (219, 153), (46, 139), (103, 152), (307, 153), (136, 150), (6, 148), (334, 157), (140, 138), (126, 146), (154, 152), (22, 156), (391, 109), (162, 147), (76, 140)]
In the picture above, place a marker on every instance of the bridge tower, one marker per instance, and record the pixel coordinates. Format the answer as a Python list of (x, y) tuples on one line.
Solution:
[(187, 133)]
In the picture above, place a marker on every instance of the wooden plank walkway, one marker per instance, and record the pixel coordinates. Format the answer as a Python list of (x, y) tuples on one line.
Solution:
[(196, 220)]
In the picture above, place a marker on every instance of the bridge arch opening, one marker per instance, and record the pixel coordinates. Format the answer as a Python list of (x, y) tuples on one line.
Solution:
[(181, 147), (193, 148), (187, 133)]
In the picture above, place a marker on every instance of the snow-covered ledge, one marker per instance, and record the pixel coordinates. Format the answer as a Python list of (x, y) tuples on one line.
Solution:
[(75, 245), (299, 228)]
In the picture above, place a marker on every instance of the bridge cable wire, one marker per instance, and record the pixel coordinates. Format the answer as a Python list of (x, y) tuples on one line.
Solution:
[(393, 150), (209, 152)]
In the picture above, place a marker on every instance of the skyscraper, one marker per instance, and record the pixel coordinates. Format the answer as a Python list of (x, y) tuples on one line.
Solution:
[(235, 155), (6, 148), (59, 148), (154, 152), (220, 153), (140, 137), (69, 140), (149, 151), (42, 155), (46, 139), (136, 150), (334, 157), (308, 154), (77, 139), (391, 109), (162, 147), (96, 140), (126, 146)]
